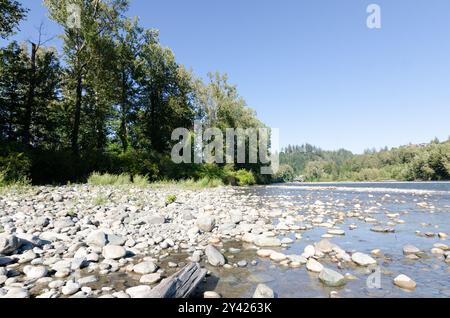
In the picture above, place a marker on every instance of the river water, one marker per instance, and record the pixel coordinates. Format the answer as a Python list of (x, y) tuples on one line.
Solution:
[(419, 227)]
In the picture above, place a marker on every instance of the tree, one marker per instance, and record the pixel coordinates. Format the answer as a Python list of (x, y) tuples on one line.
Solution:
[(81, 45), (11, 13)]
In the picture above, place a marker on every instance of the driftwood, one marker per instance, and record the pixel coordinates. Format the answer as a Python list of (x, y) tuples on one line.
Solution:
[(180, 284)]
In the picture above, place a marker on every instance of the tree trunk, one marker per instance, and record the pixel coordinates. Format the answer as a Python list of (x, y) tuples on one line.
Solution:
[(76, 122), (181, 284), (30, 98), (123, 132)]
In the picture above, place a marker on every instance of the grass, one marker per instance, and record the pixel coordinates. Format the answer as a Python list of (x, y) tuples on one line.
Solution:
[(190, 183), (100, 200), (20, 185), (107, 179)]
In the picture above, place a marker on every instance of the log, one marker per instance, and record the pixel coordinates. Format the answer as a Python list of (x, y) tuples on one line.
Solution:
[(180, 284)]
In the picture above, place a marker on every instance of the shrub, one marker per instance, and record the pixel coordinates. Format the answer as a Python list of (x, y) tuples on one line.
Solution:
[(244, 177), (171, 199), (285, 174), (15, 169)]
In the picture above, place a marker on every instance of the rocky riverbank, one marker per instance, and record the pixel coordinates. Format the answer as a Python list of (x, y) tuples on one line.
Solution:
[(91, 241)]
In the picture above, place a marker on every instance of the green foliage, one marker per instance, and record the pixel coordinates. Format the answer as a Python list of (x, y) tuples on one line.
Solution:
[(285, 174), (109, 105), (413, 162), (11, 12), (244, 177), (171, 199), (14, 169)]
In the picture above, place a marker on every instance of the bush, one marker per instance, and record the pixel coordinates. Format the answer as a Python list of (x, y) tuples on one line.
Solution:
[(171, 199), (244, 177), (285, 174), (15, 169)]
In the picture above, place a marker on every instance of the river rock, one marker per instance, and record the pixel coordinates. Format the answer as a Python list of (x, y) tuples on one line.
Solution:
[(410, 249), (263, 291), (314, 266), (363, 259), (211, 295), (70, 288), (264, 253), (264, 241), (96, 239), (331, 278), (35, 272), (150, 278), (145, 268), (206, 223), (405, 282), (142, 291), (9, 244), (113, 252), (325, 246), (309, 251), (215, 258), (277, 257), (16, 292)]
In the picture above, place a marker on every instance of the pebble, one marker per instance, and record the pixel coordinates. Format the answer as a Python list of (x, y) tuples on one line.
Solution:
[(144, 268), (405, 282), (363, 259), (150, 278), (211, 295), (35, 272), (70, 288), (263, 291), (331, 278), (314, 266), (114, 252), (215, 258)]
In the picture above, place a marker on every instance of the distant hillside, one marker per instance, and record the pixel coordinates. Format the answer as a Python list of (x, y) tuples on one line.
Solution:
[(426, 162)]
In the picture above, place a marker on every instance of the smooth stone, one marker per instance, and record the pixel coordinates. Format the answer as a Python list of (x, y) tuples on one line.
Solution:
[(410, 249), (336, 232), (242, 263), (35, 272), (264, 253), (97, 239), (263, 291), (363, 259), (88, 280), (145, 268), (206, 223), (264, 241), (150, 278), (331, 278), (277, 257), (16, 292), (405, 282), (70, 288), (142, 291), (215, 258), (382, 229), (114, 252), (9, 244), (211, 295), (309, 251), (314, 266)]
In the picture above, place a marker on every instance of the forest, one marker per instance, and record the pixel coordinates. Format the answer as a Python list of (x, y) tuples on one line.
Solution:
[(107, 101), (425, 162)]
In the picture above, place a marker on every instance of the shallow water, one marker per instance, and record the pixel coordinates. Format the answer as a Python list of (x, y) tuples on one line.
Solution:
[(431, 273)]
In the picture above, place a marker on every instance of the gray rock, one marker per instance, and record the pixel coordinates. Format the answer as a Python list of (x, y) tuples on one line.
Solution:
[(62, 224), (155, 220), (16, 292), (114, 239), (382, 229), (215, 258), (263, 291), (70, 288), (405, 282), (206, 223), (35, 272), (314, 266), (96, 239), (9, 244), (114, 252), (263, 241), (142, 291), (363, 259), (145, 268), (410, 249), (87, 280), (150, 278), (331, 278)]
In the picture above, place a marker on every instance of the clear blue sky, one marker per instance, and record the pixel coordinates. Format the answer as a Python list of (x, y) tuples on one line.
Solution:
[(312, 68)]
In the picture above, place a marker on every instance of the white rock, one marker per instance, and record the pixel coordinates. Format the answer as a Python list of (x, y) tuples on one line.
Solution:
[(314, 266), (363, 259), (263, 291), (405, 282), (114, 252)]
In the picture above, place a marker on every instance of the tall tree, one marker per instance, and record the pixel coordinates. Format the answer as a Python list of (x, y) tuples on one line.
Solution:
[(94, 20), (11, 12)]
